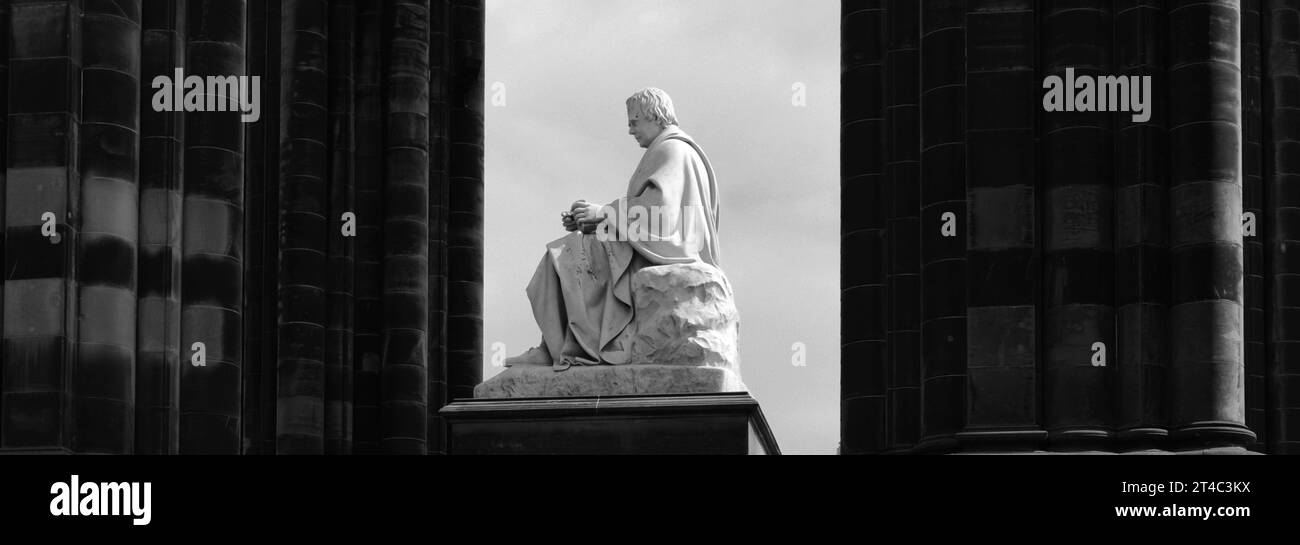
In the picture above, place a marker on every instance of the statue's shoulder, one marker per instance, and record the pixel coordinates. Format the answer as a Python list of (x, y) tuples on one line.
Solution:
[(680, 137), (680, 145), (676, 143)]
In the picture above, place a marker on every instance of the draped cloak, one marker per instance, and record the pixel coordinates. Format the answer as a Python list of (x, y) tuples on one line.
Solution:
[(581, 292)]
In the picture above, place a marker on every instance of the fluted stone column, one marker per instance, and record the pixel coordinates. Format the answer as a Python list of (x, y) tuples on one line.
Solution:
[(440, 90), (303, 227), (1206, 317), (261, 235), (1141, 232), (4, 163), (903, 172), (370, 221), (404, 387), (42, 186), (105, 368), (863, 189), (212, 239), (1282, 226), (157, 377), (944, 222), (1079, 251), (1002, 270), (340, 284), (464, 344), (1110, 290)]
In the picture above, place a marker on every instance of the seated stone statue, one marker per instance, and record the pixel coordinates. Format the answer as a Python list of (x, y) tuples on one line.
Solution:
[(636, 281)]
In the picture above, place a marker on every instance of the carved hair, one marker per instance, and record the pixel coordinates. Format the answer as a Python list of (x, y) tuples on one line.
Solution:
[(652, 104)]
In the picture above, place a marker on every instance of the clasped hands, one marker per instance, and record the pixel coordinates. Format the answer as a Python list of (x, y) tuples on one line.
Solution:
[(582, 215)]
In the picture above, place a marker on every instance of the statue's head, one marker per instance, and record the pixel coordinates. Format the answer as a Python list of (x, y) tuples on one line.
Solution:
[(649, 112)]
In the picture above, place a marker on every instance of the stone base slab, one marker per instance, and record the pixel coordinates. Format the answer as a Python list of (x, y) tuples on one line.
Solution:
[(729, 423), (608, 380)]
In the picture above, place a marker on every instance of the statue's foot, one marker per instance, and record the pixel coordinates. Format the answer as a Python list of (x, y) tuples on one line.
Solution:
[(536, 355)]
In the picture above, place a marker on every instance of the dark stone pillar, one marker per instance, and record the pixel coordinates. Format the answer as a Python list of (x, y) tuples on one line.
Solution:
[(1206, 329), (1141, 232), (341, 251), (104, 406), (370, 242), (157, 372), (304, 200), (440, 49), (862, 229), (40, 301), (903, 171), (1002, 272), (261, 235), (1282, 227), (4, 162), (1252, 202), (404, 387), (1079, 267), (212, 239), (943, 226), (465, 200)]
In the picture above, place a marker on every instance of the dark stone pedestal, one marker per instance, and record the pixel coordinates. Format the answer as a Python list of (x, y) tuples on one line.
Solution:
[(725, 423), (44, 451)]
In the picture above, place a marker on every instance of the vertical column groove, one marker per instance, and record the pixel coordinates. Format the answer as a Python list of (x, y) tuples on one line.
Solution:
[(465, 200), (259, 311), (1252, 193), (339, 331), (369, 244), (440, 89)]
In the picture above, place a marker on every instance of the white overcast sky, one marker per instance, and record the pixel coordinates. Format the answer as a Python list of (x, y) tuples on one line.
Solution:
[(566, 66)]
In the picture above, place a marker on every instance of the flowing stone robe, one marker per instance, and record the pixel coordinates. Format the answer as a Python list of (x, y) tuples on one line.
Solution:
[(581, 292)]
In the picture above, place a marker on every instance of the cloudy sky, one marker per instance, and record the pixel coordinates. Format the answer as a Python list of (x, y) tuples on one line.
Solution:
[(558, 72)]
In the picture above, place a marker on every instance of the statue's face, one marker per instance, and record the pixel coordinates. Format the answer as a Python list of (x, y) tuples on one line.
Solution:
[(643, 130)]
